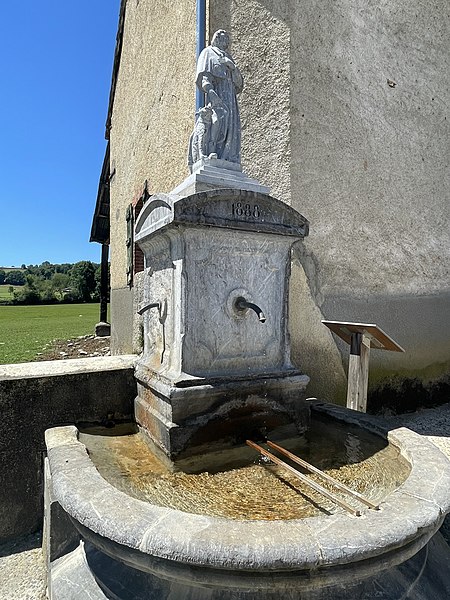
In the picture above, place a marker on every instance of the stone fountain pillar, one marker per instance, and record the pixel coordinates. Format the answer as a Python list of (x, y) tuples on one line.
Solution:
[(216, 366), (216, 363)]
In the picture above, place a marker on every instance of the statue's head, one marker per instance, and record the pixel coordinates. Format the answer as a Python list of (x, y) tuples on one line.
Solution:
[(221, 39)]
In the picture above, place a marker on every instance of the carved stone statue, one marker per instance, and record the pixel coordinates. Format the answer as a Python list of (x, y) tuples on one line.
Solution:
[(201, 144), (220, 79)]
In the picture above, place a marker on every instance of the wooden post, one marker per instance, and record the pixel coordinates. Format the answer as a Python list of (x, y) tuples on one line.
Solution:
[(361, 337), (104, 284), (103, 328), (358, 372)]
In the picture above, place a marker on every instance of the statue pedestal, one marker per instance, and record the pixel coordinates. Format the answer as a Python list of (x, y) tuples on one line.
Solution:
[(213, 173)]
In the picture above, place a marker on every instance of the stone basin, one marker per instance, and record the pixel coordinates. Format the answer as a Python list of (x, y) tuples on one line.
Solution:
[(131, 547), (235, 482)]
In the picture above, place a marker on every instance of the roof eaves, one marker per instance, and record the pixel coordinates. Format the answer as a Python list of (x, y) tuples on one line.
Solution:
[(116, 65), (100, 220)]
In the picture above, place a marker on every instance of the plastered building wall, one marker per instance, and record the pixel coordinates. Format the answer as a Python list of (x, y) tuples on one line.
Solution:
[(152, 117), (345, 116)]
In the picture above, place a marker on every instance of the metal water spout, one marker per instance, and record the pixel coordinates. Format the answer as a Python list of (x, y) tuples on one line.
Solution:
[(242, 304), (142, 309)]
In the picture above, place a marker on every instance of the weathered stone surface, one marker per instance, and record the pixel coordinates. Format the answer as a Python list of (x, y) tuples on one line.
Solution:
[(425, 574), (196, 274), (215, 315), (71, 579), (102, 329), (229, 208), (188, 420), (59, 535), (219, 78), (54, 368), (35, 396), (210, 174), (338, 539)]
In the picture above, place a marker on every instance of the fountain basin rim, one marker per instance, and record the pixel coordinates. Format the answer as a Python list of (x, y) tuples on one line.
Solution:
[(415, 510)]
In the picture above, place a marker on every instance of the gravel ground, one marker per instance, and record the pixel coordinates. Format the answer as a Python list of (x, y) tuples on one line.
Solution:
[(83, 346), (22, 572)]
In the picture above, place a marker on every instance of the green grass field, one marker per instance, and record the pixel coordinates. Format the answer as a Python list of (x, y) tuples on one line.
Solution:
[(24, 330), (4, 292)]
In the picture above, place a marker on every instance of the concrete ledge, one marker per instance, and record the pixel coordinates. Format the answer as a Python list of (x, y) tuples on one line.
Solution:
[(142, 532), (56, 368), (36, 396)]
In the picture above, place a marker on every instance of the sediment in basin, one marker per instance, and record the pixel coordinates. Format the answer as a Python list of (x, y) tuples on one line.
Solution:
[(223, 554), (236, 484)]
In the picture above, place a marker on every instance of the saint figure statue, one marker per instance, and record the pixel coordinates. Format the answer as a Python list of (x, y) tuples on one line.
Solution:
[(220, 79)]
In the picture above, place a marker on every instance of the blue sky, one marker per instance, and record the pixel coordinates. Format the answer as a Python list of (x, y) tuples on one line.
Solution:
[(56, 59)]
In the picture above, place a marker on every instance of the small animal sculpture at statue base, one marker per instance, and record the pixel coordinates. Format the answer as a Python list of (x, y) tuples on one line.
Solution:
[(201, 140)]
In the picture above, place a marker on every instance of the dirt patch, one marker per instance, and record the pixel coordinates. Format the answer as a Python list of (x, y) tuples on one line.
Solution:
[(84, 346)]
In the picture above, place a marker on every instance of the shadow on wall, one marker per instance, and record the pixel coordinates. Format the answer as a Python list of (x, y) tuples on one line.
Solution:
[(314, 350), (37, 396), (330, 114), (397, 395)]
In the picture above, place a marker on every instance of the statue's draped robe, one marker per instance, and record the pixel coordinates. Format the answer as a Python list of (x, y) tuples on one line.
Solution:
[(226, 84)]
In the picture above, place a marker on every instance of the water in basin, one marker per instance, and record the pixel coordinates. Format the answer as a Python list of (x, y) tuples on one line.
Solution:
[(236, 484)]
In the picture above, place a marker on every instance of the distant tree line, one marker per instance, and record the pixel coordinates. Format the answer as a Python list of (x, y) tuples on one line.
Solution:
[(48, 283)]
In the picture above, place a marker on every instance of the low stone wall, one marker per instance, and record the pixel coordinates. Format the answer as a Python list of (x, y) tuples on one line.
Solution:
[(37, 396)]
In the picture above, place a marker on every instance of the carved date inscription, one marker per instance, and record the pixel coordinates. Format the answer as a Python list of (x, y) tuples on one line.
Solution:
[(240, 210)]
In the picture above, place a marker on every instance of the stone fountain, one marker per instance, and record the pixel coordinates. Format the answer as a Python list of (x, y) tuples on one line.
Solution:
[(216, 370), (216, 365)]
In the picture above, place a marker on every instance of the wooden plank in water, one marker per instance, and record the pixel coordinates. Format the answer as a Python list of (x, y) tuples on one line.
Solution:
[(326, 477), (312, 484)]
